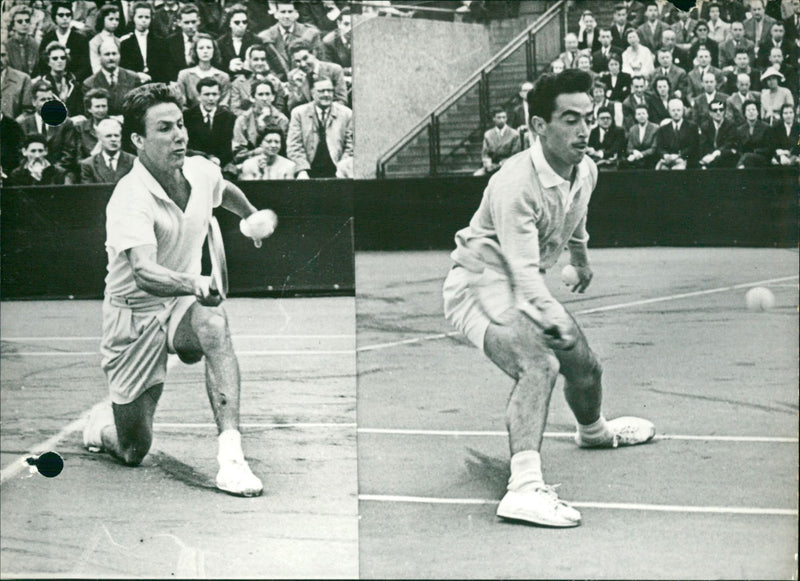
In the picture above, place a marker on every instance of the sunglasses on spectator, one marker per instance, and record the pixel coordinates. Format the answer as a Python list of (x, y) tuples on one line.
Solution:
[(22, 21), (64, 15), (58, 58), (716, 109), (238, 21)]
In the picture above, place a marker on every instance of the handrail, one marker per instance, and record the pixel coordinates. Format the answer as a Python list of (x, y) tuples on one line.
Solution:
[(406, 7), (470, 82)]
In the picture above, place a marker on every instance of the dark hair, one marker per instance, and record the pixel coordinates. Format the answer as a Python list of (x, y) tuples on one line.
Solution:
[(270, 129), (496, 110), (41, 86), (98, 93), (605, 109), (714, 5), (207, 82), (344, 12), (189, 9), (701, 23), (233, 10), (53, 46), (613, 56), (99, 24), (34, 138), (141, 4), (641, 106), (297, 46), (598, 84), (751, 102), (662, 78), (618, 7), (785, 105), (542, 98), (139, 101), (60, 5), (265, 81), (741, 50), (258, 47), (322, 78), (649, 4)]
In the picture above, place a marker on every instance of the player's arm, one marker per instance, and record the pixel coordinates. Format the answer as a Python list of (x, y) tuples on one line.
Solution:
[(579, 256), (160, 281), (255, 224), (234, 200)]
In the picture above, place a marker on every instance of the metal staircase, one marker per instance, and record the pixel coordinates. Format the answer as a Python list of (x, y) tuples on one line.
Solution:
[(448, 140)]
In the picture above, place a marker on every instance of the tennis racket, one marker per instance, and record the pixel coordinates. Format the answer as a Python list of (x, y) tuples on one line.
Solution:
[(219, 264)]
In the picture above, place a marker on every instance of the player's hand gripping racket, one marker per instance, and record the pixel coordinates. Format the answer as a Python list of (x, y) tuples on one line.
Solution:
[(219, 265)]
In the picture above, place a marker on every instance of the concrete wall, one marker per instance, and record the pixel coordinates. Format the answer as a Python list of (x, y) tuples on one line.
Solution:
[(402, 68)]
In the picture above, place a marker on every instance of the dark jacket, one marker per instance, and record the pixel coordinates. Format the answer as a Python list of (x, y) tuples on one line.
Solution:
[(218, 141), (685, 143)]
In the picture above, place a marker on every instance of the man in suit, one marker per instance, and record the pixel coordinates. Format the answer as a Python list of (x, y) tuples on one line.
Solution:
[(619, 27), (737, 41), (694, 80), (741, 66), (684, 30), (15, 87), (110, 164), (234, 43), (675, 74), (140, 51), (777, 40), (286, 32), (717, 138), (570, 55), (636, 98), (209, 125), (702, 41), (606, 141), (680, 57), (784, 138), (12, 136), (337, 44), (166, 19), (179, 44), (499, 143), (320, 136), (651, 31), (76, 43), (111, 77), (37, 170), (737, 100), (792, 23), (641, 147), (307, 63), (600, 57), (676, 140), (701, 104), (756, 28)]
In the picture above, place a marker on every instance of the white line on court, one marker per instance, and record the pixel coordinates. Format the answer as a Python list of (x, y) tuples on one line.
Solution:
[(211, 425), (672, 297), (97, 339), (238, 353), (602, 505)]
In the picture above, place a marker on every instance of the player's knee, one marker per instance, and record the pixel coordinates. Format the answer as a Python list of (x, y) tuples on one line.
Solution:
[(213, 331), (545, 364)]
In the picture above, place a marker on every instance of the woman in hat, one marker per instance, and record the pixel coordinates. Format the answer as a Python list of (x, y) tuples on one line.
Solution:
[(774, 97)]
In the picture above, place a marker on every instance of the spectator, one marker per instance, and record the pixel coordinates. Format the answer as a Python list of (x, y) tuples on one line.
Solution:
[(600, 57), (210, 125), (206, 54), (737, 100), (718, 29), (680, 57), (234, 44), (701, 103), (520, 115), (752, 139), (76, 43), (641, 145), (320, 138), (618, 83), (111, 77), (213, 17), (606, 141), (267, 163), (773, 97), (737, 41), (570, 55), (260, 14), (180, 44), (635, 16), (599, 100), (140, 51), (337, 44), (718, 138), (619, 27), (256, 70), (106, 27), (166, 19), (65, 85), (637, 59), (285, 33), (684, 31), (307, 63), (499, 143), (666, 68), (557, 66), (651, 31), (587, 33), (15, 87), (125, 8), (756, 28), (60, 139), (12, 137), (321, 15), (694, 84), (21, 47), (41, 21), (584, 64), (249, 128), (658, 109), (84, 17), (784, 138), (703, 41), (37, 170), (110, 164), (778, 62), (777, 40), (95, 103), (666, 12), (792, 22), (741, 66), (637, 97), (676, 140)]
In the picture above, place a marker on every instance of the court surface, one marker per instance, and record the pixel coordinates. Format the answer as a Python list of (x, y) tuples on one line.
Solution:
[(165, 518), (714, 496)]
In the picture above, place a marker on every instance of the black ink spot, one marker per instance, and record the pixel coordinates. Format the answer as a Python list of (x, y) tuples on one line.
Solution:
[(48, 464), (54, 112)]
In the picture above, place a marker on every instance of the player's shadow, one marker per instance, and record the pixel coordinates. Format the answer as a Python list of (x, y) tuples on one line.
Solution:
[(491, 471)]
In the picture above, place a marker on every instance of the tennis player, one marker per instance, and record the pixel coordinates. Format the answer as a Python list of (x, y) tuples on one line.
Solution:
[(156, 301), (534, 207)]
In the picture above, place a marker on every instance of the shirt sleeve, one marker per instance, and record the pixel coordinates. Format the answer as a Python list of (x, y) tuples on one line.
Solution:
[(129, 222)]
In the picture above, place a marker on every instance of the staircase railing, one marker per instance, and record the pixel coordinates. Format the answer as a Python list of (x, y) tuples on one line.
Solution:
[(534, 48)]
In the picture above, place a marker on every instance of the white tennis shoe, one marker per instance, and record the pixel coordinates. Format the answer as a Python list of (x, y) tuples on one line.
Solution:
[(100, 416), (540, 506), (625, 431), (235, 477)]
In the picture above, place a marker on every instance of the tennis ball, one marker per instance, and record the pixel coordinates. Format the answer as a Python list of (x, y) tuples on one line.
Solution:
[(760, 299), (569, 275)]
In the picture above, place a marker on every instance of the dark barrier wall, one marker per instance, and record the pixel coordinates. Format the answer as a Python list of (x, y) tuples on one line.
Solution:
[(635, 208), (52, 241)]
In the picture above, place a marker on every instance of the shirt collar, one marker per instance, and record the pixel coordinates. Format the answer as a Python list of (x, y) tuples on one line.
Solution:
[(108, 157), (207, 113), (547, 175)]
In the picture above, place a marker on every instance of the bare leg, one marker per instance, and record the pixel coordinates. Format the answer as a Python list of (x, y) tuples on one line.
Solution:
[(582, 373), (130, 437)]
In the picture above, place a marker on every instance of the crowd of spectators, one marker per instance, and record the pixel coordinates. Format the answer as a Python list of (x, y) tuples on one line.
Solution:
[(265, 85), (713, 87)]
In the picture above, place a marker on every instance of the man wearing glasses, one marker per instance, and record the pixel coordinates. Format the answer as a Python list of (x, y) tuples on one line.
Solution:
[(717, 138), (76, 43)]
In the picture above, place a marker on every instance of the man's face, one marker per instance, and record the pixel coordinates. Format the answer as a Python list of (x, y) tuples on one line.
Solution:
[(345, 24), (164, 141), (757, 9), (775, 56), (141, 20), (41, 98), (35, 153), (709, 83), (777, 31), (99, 108), (665, 59), (571, 42), (584, 64), (189, 23), (323, 93), (651, 13), (668, 38), (57, 61), (598, 94), (109, 56), (500, 119), (286, 14), (264, 95), (22, 23), (589, 22), (3, 57), (713, 13), (741, 60), (258, 62), (788, 115), (703, 58), (271, 144), (557, 66), (701, 31), (604, 120), (737, 30), (751, 112), (209, 97), (717, 111), (605, 38), (743, 83), (620, 16), (675, 110), (638, 86), (641, 115), (239, 24), (63, 18), (662, 88), (304, 60), (109, 135), (565, 136)]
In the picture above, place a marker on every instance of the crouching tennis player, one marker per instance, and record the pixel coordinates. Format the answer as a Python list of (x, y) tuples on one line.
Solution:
[(534, 207), (156, 301)]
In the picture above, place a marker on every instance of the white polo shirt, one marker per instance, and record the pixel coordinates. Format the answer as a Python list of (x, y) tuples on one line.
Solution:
[(140, 213)]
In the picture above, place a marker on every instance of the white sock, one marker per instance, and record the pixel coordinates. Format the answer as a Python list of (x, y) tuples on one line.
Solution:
[(230, 446), (595, 432), (526, 471)]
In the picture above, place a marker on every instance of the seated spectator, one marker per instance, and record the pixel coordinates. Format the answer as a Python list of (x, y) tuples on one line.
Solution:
[(286, 32), (635, 14), (234, 44), (606, 141), (21, 47), (111, 77), (166, 19), (84, 17), (256, 70), (36, 170), (694, 84), (702, 41), (600, 100), (778, 63), (736, 101), (784, 138), (499, 143), (676, 140), (320, 138), (773, 97), (756, 28), (141, 51), (60, 139), (180, 44), (737, 41), (674, 74), (570, 55), (337, 44), (65, 85), (637, 97), (651, 30), (667, 13), (248, 130), (641, 147), (718, 29), (792, 24), (679, 57), (213, 17), (520, 115), (210, 125), (584, 64), (557, 66), (15, 87), (752, 139), (658, 107), (206, 55), (110, 164), (618, 83), (637, 58), (106, 27), (12, 137), (76, 43), (684, 31), (307, 63), (741, 66), (701, 103), (95, 104), (619, 27), (41, 22), (718, 138), (588, 40), (267, 163), (321, 15), (600, 56)]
